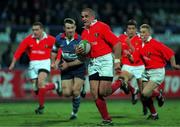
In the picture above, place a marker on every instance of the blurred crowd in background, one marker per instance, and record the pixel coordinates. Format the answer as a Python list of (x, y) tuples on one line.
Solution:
[(18, 15), (161, 14)]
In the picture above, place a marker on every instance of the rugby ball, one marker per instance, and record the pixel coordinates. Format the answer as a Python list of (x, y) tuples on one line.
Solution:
[(85, 45)]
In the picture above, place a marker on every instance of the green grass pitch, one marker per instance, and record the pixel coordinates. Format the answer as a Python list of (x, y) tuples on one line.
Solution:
[(57, 113)]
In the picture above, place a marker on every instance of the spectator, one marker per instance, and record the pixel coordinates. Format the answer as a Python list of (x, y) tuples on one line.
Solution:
[(6, 57)]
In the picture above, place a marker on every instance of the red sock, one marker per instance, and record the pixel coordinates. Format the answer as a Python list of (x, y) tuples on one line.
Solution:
[(150, 105), (131, 88), (115, 85), (155, 93), (41, 96), (101, 105), (49, 86)]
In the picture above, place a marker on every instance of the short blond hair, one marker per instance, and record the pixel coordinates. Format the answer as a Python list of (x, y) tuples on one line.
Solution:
[(146, 26), (91, 11)]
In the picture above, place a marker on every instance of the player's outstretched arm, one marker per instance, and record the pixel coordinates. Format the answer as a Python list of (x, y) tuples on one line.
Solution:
[(173, 63), (64, 65), (117, 56), (12, 64)]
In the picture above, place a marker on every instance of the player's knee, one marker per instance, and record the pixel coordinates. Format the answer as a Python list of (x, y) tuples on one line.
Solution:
[(94, 95), (103, 93), (145, 93), (108, 92), (67, 93), (76, 93), (40, 84)]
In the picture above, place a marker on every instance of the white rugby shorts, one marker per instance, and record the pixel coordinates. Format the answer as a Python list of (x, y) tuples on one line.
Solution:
[(103, 65), (137, 71), (36, 65), (155, 75)]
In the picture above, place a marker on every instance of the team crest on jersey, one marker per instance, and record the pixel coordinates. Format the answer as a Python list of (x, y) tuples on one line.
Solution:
[(96, 34), (46, 46), (136, 43), (148, 54)]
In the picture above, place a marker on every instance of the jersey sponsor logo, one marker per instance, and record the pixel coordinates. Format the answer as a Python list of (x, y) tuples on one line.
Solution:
[(38, 52)]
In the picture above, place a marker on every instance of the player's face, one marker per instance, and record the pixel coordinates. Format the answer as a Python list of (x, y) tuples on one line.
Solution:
[(144, 33), (37, 31), (87, 18), (131, 30), (69, 29)]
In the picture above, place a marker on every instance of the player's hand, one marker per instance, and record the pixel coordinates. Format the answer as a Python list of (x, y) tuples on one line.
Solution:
[(117, 68), (79, 50), (128, 40), (129, 56), (176, 67), (53, 65), (63, 66)]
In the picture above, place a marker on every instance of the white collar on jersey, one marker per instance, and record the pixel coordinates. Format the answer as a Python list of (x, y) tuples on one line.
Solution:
[(137, 33), (93, 22), (149, 38), (44, 35)]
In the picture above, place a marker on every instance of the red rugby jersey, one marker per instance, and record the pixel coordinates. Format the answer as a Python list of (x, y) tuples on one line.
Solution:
[(36, 51), (101, 38), (136, 44), (155, 54)]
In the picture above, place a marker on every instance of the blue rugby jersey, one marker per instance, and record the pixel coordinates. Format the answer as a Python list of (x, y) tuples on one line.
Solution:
[(68, 48)]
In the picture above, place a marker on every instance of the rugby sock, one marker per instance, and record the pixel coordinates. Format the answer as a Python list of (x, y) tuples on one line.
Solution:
[(76, 103), (41, 96), (150, 105), (115, 85), (49, 86), (42, 92), (101, 105)]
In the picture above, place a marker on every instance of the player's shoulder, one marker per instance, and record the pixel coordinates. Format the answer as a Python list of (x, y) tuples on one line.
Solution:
[(60, 36), (27, 38), (50, 37), (155, 41), (77, 37), (122, 37), (137, 38), (30, 36), (103, 24)]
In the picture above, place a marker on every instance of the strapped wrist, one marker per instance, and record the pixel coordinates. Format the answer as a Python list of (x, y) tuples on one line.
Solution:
[(117, 61)]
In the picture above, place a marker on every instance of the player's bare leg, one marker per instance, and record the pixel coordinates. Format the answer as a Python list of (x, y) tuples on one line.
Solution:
[(147, 93)]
